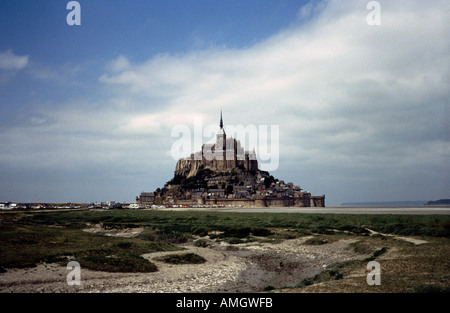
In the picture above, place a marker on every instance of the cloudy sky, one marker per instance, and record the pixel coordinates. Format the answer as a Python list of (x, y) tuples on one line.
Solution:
[(87, 112)]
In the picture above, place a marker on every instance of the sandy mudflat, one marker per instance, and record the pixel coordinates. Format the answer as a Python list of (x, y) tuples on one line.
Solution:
[(245, 267)]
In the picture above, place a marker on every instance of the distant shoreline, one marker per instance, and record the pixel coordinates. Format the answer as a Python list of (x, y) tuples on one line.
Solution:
[(405, 203), (401, 210)]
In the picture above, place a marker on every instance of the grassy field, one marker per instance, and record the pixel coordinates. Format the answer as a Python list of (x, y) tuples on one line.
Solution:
[(32, 238), (191, 222), (405, 268)]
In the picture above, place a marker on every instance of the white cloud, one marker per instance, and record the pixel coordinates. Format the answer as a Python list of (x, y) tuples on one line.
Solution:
[(121, 63), (311, 9), (11, 61), (344, 93), (355, 103), (334, 64)]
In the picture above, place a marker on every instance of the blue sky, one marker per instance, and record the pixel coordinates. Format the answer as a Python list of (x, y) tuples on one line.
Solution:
[(86, 112), (137, 29)]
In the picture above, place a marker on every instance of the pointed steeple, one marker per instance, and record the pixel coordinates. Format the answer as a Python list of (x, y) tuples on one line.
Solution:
[(221, 133)]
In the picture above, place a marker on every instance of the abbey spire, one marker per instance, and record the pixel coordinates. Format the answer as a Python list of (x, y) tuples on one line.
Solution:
[(221, 131)]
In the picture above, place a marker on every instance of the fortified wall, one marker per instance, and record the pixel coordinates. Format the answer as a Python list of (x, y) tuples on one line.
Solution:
[(313, 201)]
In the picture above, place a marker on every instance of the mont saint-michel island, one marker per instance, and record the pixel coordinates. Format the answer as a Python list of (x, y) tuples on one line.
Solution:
[(225, 174)]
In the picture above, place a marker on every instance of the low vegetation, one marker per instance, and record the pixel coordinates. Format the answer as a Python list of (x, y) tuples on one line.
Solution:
[(33, 238), (195, 222), (127, 263), (27, 245), (185, 258)]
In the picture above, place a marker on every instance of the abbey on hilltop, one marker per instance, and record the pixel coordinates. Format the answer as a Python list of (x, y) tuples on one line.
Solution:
[(224, 173), (223, 156)]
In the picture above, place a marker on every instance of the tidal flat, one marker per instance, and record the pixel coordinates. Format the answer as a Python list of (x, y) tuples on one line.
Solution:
[(123, 251)]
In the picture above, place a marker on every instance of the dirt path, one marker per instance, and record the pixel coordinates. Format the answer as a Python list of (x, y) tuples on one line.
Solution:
[(414, 241)]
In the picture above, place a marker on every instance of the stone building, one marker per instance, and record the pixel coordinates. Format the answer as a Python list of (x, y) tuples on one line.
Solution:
[(146, 198), (223, 156)]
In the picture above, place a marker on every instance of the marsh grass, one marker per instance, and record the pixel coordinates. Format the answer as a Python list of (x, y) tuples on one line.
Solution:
[(199, 223), (405, 267), (185, 258), (127, 263), (27, 245), (29, 239)]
